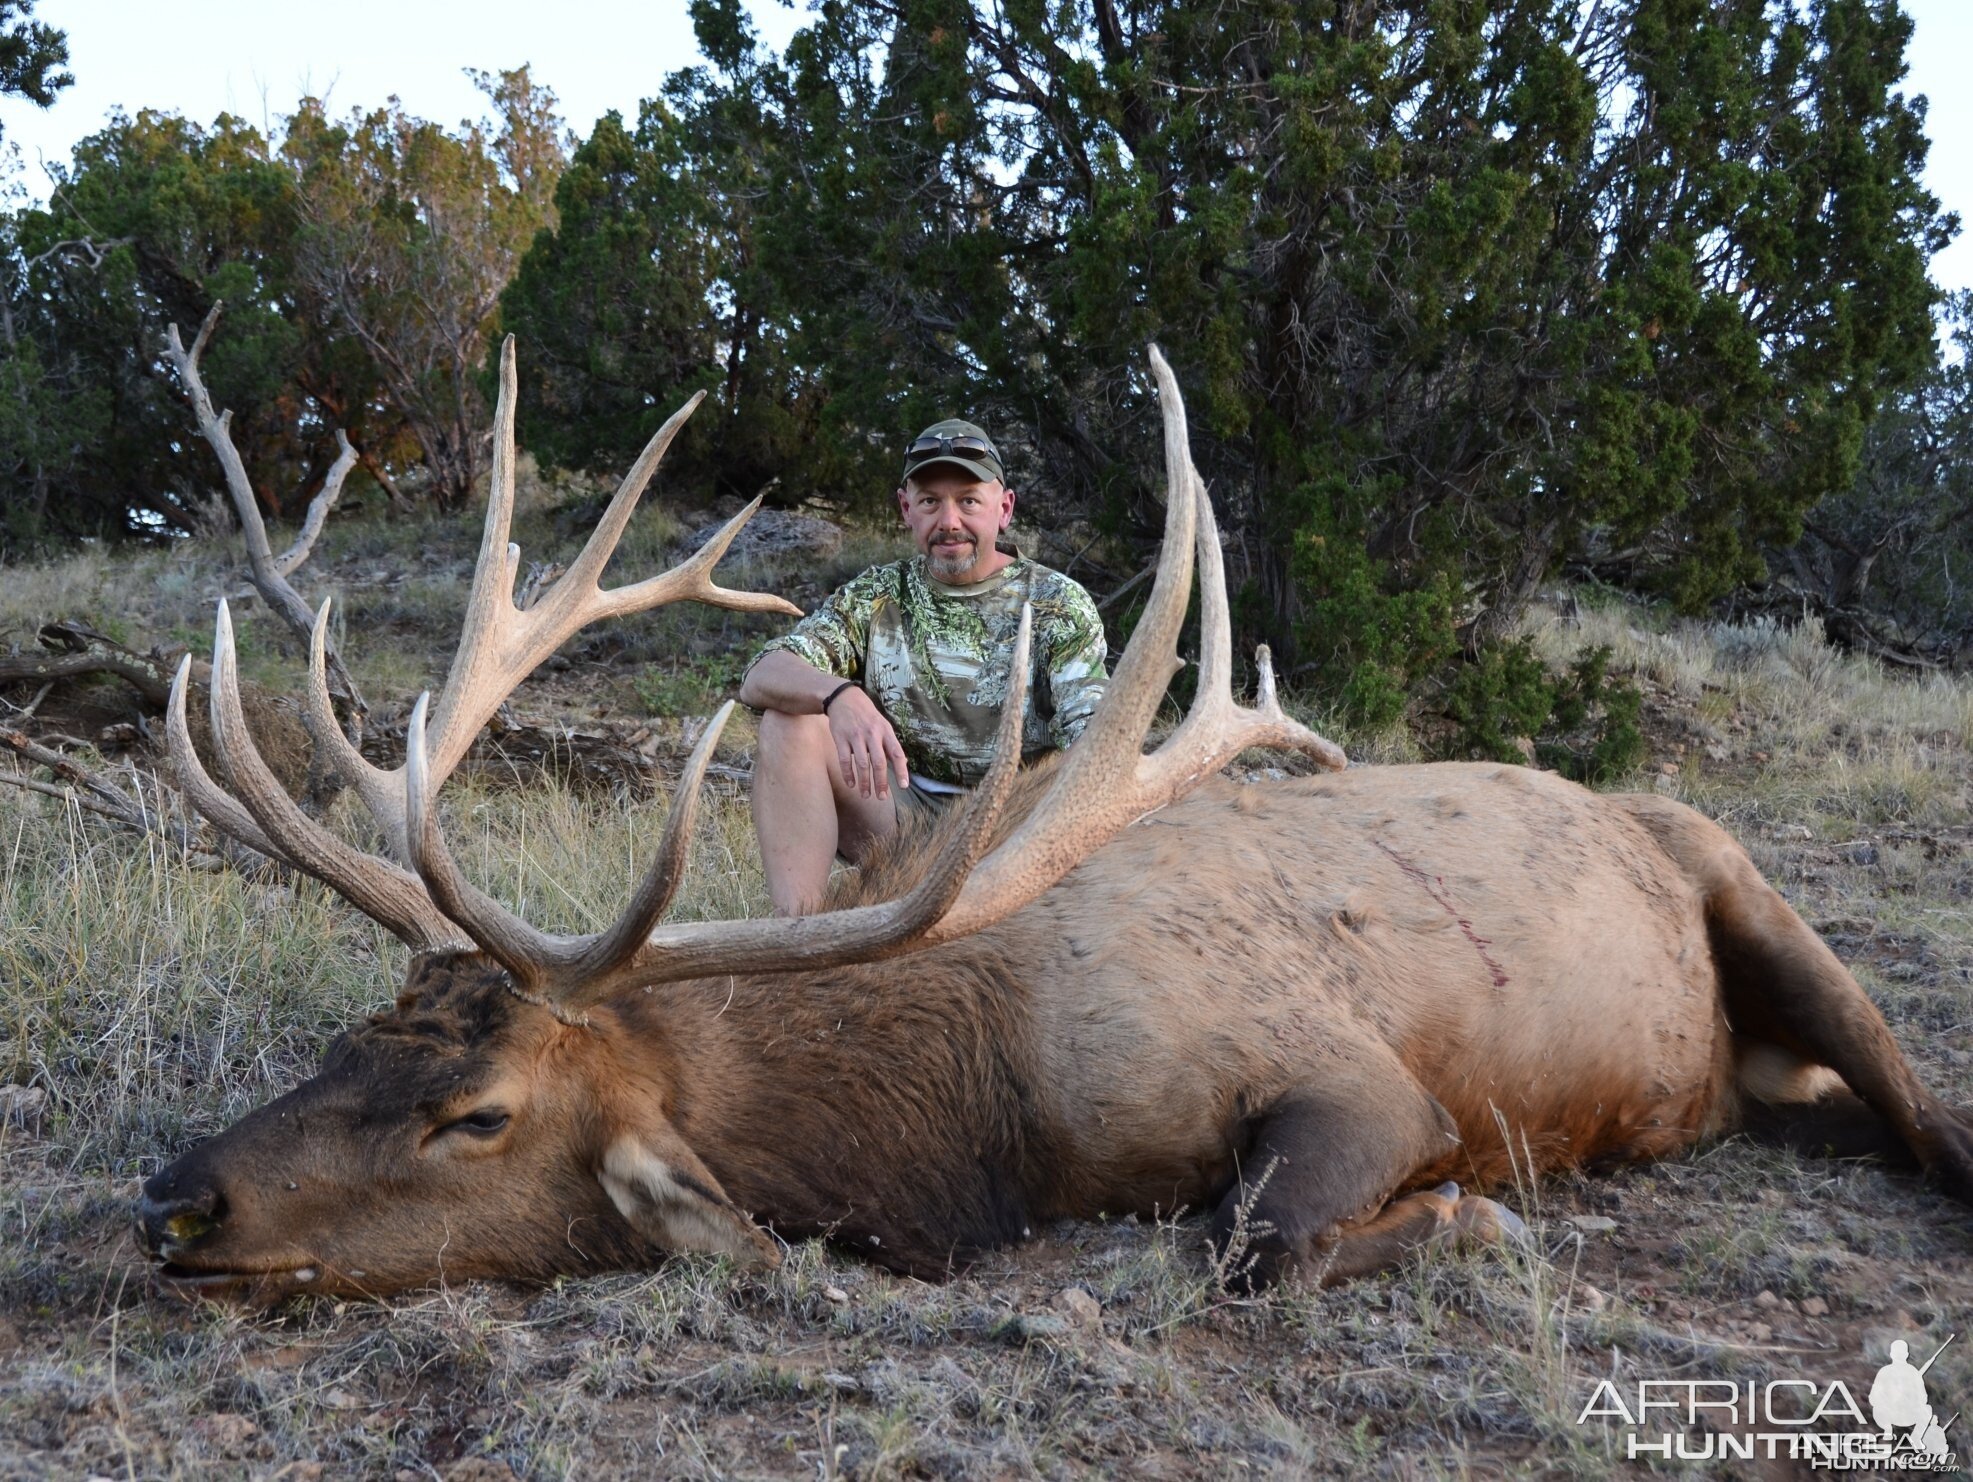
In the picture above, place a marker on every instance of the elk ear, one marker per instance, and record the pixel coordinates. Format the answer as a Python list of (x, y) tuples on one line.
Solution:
[(661, 1187)]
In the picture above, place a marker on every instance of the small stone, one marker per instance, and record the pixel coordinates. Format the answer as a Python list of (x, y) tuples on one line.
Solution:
[(340, 1399), (22, 1105), (1034, 1325), (835, 1294), (1760, 1332), (1669, 769), (843, 1384), (1079, 1307), (1814, 1307), (226, 1432), (1767, 1299), (1593, 1224)]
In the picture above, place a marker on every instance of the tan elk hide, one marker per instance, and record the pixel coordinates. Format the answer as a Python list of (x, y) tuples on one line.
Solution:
[(1117, 983)]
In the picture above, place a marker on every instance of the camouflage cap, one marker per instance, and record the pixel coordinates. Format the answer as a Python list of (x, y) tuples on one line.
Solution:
[(962, 444)]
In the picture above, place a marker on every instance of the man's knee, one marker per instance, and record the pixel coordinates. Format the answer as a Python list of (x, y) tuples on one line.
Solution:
[(795, 736)]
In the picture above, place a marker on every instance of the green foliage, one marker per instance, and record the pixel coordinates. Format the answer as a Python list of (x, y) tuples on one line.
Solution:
[(153, 220), (1581, 723), (646, 293), (1884, 561), (691, 686), (1457, 292), (32, 54), (359, 266), (410, 232)]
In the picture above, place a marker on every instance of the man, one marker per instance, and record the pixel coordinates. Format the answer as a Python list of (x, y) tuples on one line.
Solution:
[(882, 703)]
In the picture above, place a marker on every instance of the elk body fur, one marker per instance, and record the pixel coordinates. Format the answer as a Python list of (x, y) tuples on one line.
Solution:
[(1314, 1006)]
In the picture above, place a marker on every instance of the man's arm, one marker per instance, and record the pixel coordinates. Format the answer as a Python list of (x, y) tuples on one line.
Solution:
[(867, 749), (780, 681), (1076, 650), (796, 674)]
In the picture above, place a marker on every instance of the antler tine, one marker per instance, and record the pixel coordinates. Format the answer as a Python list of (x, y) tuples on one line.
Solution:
[(500, 645), (207, 796), (381, 791), (620, 944), (1216, 727), (586, 571), (374, 886), (528, 955)]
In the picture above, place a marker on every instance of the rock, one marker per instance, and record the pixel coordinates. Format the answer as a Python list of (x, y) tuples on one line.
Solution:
[(1760, 1332), (835, 1294), (340, 1399), (775, 532), (1526, 746), (23, 1105), (1589, 1298), (1767, 1299), (1593, 1224), (1079, 1307), (843, 1384), (1029, 1325), (225, 1432), (1814, 1307)]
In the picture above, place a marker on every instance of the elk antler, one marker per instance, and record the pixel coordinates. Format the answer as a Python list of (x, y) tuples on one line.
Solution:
[(1103, 784), (499, 646)]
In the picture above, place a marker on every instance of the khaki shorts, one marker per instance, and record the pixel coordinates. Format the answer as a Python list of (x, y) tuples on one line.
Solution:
[(917, 808)]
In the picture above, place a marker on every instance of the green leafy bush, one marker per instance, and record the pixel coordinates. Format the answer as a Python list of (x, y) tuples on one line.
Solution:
[(1582, 723)]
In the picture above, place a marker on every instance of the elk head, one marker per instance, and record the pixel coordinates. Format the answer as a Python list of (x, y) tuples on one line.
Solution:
[(514, 1115)]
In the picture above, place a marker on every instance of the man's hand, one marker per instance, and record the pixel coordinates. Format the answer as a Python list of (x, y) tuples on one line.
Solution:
[(867, 750)]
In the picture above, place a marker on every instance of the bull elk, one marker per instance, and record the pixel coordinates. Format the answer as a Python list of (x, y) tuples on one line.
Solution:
[(1115, 983)]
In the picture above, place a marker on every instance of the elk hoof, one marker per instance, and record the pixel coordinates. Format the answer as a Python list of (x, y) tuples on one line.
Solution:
[(1488, 1220)]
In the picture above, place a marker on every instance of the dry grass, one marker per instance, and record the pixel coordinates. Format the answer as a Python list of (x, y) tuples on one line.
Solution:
[(154, 1003)]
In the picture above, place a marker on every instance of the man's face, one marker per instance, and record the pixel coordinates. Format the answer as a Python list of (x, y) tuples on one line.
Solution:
[(953, 518)]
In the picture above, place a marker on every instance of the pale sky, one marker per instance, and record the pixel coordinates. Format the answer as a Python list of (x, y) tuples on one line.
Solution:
[(254, 58)]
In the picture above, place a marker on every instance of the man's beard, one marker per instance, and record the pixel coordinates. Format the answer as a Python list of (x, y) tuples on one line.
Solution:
[(956, 560)]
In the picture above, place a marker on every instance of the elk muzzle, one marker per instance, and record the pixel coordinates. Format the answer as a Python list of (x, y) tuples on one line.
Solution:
[(180, 1218)]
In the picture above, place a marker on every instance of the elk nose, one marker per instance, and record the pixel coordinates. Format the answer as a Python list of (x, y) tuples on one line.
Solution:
[(170, 1217)]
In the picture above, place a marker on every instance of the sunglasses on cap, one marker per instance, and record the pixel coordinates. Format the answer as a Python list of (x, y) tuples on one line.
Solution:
[(945, 447)]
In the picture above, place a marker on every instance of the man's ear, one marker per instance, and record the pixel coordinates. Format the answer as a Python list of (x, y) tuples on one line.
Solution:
[(1007, 509), (662, 1188)]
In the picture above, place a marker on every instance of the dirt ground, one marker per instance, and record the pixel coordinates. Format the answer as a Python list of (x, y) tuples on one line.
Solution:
[(143, 1005)]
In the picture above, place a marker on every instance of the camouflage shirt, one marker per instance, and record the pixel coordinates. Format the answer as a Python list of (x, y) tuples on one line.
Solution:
[(935, 659)]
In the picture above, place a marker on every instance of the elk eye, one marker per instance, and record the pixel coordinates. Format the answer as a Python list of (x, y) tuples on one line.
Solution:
[(482, 1123)]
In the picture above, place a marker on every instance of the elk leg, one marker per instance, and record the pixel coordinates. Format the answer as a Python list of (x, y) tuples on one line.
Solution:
[(1781, 983), (1323, 1163)]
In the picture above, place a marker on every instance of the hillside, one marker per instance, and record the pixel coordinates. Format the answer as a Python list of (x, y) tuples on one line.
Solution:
[(146, 1002)]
